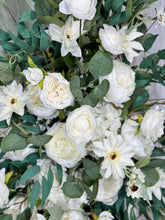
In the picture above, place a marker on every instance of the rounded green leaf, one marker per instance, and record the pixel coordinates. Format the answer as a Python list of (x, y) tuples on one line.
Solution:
[(72, 189), (151, 176)]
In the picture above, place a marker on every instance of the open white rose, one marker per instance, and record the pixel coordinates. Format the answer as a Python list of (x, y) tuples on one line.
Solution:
[(74, 215), (67, 35), (122, 83), (4, 191), (105, 216), (62, 149), (37, 107), (152, 124), (33, 75), (81, 124), (82, 9), (56, 93)]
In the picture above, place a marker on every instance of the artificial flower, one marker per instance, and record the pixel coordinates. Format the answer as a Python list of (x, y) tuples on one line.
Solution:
[(108, 190), (82, 9), (4, 191), (40, 217), (74, 214), (67, 35), (105, 216), (81, 124), (116, 153), (33, 75), (12, 99), (160, 14), (122, 83), (62, 149), (152, 124), (56, 93), (37, 107)]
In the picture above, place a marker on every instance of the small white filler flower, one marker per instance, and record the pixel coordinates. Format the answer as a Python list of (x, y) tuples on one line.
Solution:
[(161, 16)]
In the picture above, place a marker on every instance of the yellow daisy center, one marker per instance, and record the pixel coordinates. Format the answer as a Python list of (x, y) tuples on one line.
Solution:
[(113, 155), (13, 101)]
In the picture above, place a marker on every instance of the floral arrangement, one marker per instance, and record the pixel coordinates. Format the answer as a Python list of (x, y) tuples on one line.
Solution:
[(78, 140)]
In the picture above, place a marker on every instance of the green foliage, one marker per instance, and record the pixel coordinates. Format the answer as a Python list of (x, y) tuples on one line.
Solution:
[(39, 140), (13, 142), (59, 172), (75, 87), (157, 163), (27, 16), (34, 194), (6, 217), (28, 174), (147, 44), (55, 212), (151, 176), (142, 163), (25, 215), (101, 64), (118, 18)]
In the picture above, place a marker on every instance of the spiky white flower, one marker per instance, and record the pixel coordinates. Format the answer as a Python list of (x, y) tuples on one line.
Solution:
[(82, 9), (12, 99), (67, 35), (161, 16), (4, 191), (116, 153)]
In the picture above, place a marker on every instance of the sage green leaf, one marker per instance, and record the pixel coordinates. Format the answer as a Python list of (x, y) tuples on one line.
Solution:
[(142, 82), (151, 176), (51, 20), (25, 215), (157, 163), (142, 163), (118, 18), (91, 168), (55, 212), (27, 16), (88, 191), (28, 174), (96, 94), (11, 47), (39, 140), (147, 61), (59, 172), (6, 217), (4, 35), (75, 87), (157, 153), (161, 54), (34, 194), (147, 44), (42, 8), (13, 142), (115, 5), (101, 64)]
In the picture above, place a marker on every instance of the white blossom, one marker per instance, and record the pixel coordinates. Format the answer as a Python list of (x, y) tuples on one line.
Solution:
[(105, 216), (160, 14), (33, 75), (74, 215), (4, 191)]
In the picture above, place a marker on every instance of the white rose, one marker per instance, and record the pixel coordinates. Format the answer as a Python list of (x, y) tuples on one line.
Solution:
[(37, 107), (33, 75), (111, 39), (4, 191), (82, 9), (105, 216), (74, 215), (61, 149), (56, 92), (152, 124), (81, 124), (122, 83), (40, 217), (108, 190)]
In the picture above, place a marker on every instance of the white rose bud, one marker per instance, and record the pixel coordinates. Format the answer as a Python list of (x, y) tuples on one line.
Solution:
[(122, 83), (82, 9), (152, 124), (81, 124), (56, 92), (74, 215), (33, 75), (4, 191), (111, 39), (61, 149)]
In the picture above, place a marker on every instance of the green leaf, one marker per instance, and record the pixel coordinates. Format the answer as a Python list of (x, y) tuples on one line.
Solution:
[(59, 172), (34, 194), (147, 61), (151, 176), (126, 108), (161, 54), (4, 35), (42, 8), (157, 163), (11, 47), (52, 20), (28, 174), (142, 163), (147, 44), (96, 94), (39, 140), (142, 82), (27, 16), (91, 168), (157, 153), (25, 215), (6, 217), (115, 5), (55, 212), (101, 64), (118, 18), (88, 191), (75, 87), (13, 142), (3, 124)]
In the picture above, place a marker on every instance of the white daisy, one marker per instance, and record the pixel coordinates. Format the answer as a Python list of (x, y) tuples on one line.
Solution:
[(117, 155), (161, 16), (12, 99)]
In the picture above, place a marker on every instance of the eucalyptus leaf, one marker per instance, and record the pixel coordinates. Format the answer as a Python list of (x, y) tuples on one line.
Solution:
[(25, 215), (55, 212), (27, 16), (91, 168), (151, 176), (75, 87), (34, 194), (118, 18), (142, 163), (39, 140), (147, 44)]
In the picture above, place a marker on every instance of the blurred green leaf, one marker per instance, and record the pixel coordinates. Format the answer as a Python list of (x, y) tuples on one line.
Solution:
[(118, 18), (55, 212), (147, 61), (147, 44), (4, 35), (75, 87), (151, 176), (27, 16), (59, 172), (142, 163), (25, 215), (39, 140), (34, 194)]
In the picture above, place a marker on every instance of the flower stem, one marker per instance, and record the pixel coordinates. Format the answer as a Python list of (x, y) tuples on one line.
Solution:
[(6, 5)]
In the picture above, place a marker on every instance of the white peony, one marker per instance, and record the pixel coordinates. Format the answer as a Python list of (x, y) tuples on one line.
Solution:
[(4, 191), (105, 216), (56, 93), (81, 124), (74, 215), (108, 190), (62, 149), (117, 155), (142, 147), (20, 154), (33, 75), (122, 83), (12, 99), (152, 124), (82, 9), (67, 35), (111, 39), (37, 107)]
